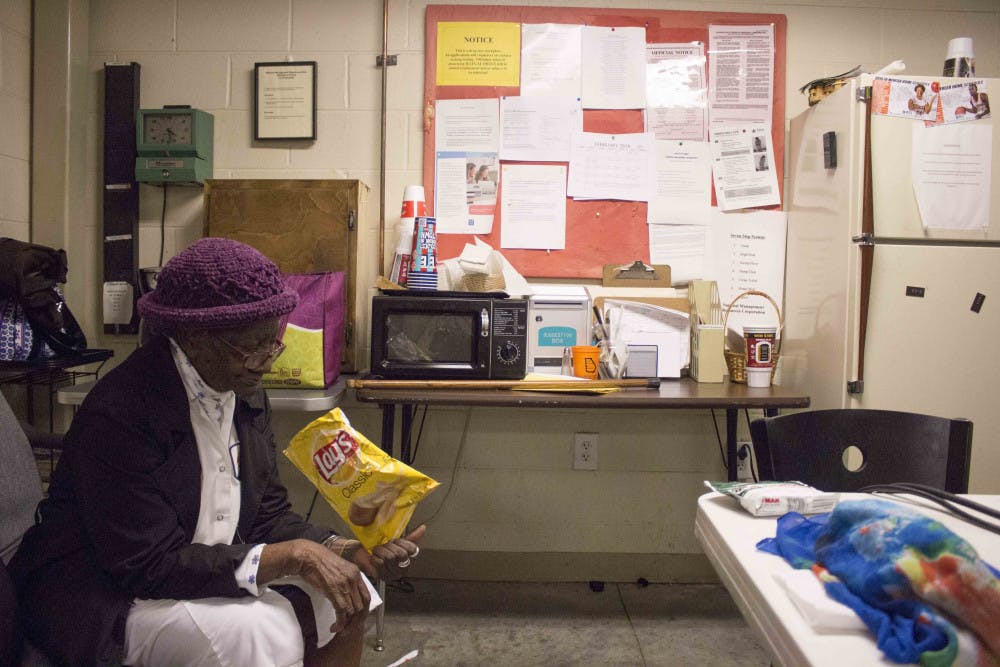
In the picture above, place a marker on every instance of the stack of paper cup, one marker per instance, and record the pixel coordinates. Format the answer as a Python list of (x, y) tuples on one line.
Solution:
[(413, 206), (423, 266), (960, 60)]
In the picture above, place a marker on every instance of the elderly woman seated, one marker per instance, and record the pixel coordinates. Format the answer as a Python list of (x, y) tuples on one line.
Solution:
[(167, 537)]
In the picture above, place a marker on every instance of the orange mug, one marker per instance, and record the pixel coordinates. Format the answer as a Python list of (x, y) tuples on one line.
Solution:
[(585, 358)]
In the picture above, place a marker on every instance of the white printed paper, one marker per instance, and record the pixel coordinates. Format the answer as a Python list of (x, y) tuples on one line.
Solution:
[(611, 166), (683, 183), (676, 98), (538, 129), (614, 68), (467, 125), (748, 252), (686, 248), (741, 74), (743, 168), (951, 167), (550, 59), (533, 207), (465, 190)]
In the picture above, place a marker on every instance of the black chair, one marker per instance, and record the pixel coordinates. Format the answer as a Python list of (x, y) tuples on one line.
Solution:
[(892, 447)]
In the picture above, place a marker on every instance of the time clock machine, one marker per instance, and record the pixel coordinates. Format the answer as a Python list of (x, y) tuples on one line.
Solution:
[(173, 145)]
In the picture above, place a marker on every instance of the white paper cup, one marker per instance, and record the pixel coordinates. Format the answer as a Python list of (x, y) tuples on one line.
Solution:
[(758, 377), (960, 47), (413, 202), (760, 342)]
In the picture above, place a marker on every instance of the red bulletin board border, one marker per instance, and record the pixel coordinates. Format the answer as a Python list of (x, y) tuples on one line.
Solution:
[(597, 232)]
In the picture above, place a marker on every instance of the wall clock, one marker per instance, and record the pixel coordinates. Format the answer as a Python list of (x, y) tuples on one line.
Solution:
[(174, 145)]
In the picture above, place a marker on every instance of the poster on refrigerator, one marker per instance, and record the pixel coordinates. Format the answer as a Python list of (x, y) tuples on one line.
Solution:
[(951, 171), (905, 98), (963, 102)]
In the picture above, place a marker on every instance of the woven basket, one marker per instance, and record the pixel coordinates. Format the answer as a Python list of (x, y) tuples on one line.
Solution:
[(481, 282), (736, 361)]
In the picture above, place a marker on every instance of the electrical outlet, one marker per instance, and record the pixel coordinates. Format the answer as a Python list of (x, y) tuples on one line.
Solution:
[(585, 451), (744, 456)]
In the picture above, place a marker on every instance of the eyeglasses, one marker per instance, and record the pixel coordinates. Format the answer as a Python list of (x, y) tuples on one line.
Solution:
[(254, 360)]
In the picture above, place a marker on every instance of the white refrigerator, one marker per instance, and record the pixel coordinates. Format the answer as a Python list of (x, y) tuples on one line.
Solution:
[(927, 337)]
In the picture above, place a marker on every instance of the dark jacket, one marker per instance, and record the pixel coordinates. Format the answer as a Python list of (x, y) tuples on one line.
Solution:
[(123, 506)]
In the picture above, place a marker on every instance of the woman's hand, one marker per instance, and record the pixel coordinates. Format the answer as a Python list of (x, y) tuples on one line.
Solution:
[(389, 561), (335, 577)]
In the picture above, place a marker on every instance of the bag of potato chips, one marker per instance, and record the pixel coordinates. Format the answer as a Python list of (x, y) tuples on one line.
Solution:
[(373, 492)]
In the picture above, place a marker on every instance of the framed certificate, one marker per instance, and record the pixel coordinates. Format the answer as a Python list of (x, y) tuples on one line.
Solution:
[(284, 100)]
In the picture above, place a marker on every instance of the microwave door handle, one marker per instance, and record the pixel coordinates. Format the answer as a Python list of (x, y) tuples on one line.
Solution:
[(484, 318)]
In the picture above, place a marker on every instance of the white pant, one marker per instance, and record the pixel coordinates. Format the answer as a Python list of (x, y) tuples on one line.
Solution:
[(219, 632)]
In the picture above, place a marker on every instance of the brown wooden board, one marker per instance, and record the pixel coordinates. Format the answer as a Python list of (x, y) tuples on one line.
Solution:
[(603, 231), (304, 226)]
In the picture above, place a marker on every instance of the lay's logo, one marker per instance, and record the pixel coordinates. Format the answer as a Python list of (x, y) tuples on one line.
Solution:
[(329, 459)]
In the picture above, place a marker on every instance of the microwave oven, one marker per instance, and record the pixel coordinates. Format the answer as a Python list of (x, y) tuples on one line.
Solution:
[(449, 336)]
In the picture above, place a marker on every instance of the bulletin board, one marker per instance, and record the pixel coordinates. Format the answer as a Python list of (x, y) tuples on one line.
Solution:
[(598, 232)]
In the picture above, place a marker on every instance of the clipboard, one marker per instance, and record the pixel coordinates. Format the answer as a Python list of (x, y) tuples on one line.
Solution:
[(636, 274)]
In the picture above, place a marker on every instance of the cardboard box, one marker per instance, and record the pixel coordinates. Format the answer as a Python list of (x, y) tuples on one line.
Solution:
[(305, 226)]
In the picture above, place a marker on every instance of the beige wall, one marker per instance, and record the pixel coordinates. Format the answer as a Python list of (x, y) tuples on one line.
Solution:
[(15, 107), (509, 472)]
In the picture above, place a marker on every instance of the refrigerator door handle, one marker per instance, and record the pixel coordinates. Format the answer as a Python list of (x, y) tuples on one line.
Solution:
[(868, 240)]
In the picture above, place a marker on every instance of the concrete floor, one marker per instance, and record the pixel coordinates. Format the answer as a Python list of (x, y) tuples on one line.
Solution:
[(457, 623)]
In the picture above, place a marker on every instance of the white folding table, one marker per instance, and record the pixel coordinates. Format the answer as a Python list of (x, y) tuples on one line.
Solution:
[(728, 534)]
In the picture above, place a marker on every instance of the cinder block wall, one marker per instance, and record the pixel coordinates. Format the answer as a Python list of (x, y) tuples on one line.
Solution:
[(15, 114), (507, 484)]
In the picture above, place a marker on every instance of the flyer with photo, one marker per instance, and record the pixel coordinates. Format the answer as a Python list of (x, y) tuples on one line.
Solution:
[(966, 101), (743, 167), (905, 98)]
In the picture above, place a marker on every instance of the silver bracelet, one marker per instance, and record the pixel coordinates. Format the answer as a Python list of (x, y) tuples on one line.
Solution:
[(340, 545)]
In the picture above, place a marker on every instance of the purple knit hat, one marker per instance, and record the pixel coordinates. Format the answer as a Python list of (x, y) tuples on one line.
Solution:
[(217, 284)]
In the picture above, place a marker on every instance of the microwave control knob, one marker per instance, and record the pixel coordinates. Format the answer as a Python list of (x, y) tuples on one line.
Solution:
[(508, 353)]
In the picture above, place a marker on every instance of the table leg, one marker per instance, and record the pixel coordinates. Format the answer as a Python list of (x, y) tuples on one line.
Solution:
[(388, 426), (380, 619), (405, 434), (732, 414)]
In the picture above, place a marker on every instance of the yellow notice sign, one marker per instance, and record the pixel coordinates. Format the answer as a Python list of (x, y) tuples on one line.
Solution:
[(478, 54)]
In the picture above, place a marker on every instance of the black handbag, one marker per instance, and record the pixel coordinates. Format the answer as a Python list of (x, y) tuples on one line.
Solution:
[(30, 274)]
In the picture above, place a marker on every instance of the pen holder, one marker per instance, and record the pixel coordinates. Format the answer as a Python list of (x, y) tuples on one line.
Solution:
[(736, 362)]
